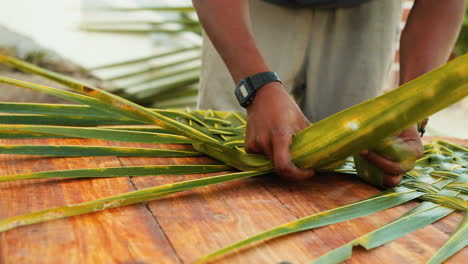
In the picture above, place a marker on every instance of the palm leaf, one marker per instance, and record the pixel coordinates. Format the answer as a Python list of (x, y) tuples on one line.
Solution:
[(457, 241), (217, 134), (120, 172), (52, 109), (154, 70), (63, 94), (97, 133), (100, 99), (146, 58), (118, 200), (183, 19), (430, 178), (64, 120), (76, 112), (380, 202), (149, 90), (419, 217), (82, 151)]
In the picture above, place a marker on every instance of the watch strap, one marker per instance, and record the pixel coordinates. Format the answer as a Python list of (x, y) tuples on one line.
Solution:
[(247, 88), (260, 79)]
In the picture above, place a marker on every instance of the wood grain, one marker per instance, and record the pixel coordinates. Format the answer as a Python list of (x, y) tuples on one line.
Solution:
[(121, 235), (185, 226), (200, 221)]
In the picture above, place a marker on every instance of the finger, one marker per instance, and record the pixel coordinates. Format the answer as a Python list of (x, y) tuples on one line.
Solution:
[(388, 166), (305, 123), (282, 160), (392, 180), (416, 148), (411, 133), (265, 146), (251, 146)]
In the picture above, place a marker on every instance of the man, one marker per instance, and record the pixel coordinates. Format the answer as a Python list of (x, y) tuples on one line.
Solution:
[(330, 57)]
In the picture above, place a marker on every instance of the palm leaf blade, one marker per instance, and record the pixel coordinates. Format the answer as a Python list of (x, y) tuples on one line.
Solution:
[(419, 217), (64, 94), (64, 120), (52, 109), (377, 203), (456, 242), (83, 151), (354, 129), (367, 124), (97, 133), (100, 99), (120, 172), (118, 200)]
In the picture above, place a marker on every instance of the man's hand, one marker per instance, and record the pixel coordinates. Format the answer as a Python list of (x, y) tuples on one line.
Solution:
[(393, 170), (272, 119), (273, 116)]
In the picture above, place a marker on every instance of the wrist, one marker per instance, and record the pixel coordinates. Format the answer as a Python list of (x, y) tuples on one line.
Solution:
[(265, 95), (248, 88)]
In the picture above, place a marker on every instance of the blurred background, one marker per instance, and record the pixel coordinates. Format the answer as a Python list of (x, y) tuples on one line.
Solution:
[(145, 50)]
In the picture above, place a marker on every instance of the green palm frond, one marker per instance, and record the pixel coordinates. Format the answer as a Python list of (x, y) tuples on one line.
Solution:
[(439, 179), (83, 151), (96, 133), (120, 172), (119, 200), (456, 242)]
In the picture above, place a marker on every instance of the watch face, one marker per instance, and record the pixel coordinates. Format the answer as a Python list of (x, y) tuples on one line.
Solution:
[(243, 90), (244, 93), (246, 89)]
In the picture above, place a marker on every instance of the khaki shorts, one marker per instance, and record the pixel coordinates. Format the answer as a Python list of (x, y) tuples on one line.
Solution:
[(329, 59)]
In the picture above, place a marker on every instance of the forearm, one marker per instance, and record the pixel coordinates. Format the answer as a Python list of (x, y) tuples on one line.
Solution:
[(429, 36), (226, 22)]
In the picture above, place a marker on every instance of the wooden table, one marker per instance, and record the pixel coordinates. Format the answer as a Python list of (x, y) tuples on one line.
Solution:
[(188, 225)]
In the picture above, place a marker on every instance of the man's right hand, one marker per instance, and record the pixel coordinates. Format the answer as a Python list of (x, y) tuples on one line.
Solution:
[(272, 119)]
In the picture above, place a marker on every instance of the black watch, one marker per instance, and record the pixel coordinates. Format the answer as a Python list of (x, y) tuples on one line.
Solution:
[(246, 89)]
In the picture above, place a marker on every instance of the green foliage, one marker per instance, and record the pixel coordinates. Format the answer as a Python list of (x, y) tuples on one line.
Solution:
[(440, 178)]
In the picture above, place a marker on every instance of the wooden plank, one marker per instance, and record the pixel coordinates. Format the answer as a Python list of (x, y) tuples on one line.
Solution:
[(121, 235), (200, 221), (195, 222), (200, 207), (330, 191)]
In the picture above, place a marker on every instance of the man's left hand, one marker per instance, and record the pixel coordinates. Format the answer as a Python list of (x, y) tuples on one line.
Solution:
[(394, 170)]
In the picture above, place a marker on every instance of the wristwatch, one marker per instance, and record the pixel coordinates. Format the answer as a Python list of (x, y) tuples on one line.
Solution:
[(246, 89)]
